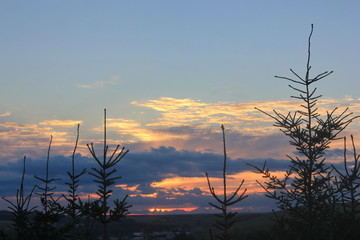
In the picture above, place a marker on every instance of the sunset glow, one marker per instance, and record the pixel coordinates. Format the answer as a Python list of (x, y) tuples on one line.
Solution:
[(169, 75), (163, 210), (233, 182)]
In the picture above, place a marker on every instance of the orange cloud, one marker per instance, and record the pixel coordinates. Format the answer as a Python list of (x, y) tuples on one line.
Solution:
[(5, 114), (34, 139), (238, 116), (183, 123), (27, 129), (70, 123), (163, 210), (134, 132), (126, 187), (150, 195), (233, 181)]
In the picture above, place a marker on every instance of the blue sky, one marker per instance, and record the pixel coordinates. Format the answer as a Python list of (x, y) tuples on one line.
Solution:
[(168, 72)]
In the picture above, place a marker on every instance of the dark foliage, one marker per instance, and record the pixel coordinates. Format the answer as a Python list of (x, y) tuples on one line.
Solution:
[(347, 184), (74, 207), (105, 178), (306, 194), (45, 222), (21, 210), (223, 204)]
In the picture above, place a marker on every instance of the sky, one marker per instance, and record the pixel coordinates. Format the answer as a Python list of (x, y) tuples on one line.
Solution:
[(169, 74)]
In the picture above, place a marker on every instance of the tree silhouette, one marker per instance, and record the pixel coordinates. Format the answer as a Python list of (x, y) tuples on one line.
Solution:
[(45, 220), (347, 186), (104, 177), (306, 193), (21, 210), (74, 207), (223, 204)]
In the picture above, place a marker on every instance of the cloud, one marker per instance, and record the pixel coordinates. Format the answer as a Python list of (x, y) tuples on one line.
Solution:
[(5, 114), (135, 132), (188, 112), (99, 84), (183, 123), (194, 124), (162, 177), (69, 123), (185, 185), (237, 116), (32, 140), (169, 154)]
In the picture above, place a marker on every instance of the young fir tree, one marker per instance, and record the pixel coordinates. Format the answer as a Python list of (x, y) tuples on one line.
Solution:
[(75, 207), (306, 193), (225, 201), (45, 223), (104, 176), (347, 183), (21, 210)]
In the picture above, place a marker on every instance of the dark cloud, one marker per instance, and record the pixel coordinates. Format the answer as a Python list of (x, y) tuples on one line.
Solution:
[(138, 169), (329, 153), (240, 144), (333, 153)]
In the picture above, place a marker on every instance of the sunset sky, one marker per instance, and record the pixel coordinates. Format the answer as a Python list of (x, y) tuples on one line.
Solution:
[(169, 74)]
